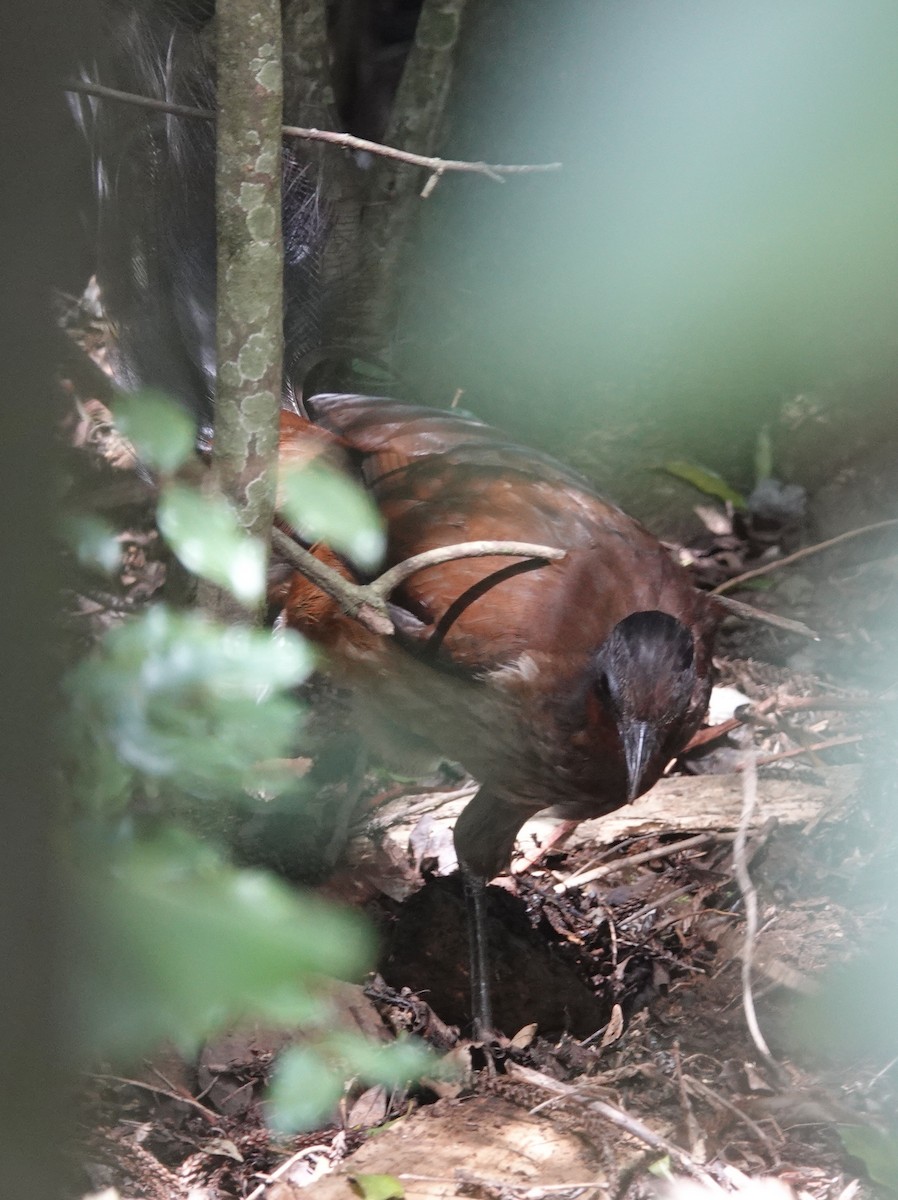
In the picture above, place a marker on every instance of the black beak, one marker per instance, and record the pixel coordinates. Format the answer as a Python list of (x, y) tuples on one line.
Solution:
[(640, 744)]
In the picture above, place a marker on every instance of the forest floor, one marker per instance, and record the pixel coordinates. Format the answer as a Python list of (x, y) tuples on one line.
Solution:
[(654, 1028)]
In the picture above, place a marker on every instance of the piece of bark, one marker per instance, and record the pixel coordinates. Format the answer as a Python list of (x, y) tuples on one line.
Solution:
[(388, 849), (487, 1146)]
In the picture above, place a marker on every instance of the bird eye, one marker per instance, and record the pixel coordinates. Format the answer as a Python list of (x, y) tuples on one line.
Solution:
[(606, 690)]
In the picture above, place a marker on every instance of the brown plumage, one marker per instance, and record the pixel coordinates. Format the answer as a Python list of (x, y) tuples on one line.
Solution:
[(568, 684), (531, 673)]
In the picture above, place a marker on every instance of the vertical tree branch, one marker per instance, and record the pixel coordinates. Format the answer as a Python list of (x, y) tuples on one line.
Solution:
[(308, 89), (250, 263), (392, 204)]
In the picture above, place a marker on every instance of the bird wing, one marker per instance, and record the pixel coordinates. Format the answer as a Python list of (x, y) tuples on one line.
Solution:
[(441, 478)]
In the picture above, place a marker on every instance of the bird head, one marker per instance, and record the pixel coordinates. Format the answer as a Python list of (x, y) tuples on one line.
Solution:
[(644, 676)]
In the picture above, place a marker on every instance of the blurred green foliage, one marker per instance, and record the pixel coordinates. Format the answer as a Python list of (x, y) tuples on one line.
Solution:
[(204, 533), (854, 1015), (877, 1149), (377, 1187), (327, 507), (161, 430), (721, 235), (183, 943), (850, 1019), (706, 481), (170, 720), (172, 704), (763, 454), (93, 541), (308, 1078)]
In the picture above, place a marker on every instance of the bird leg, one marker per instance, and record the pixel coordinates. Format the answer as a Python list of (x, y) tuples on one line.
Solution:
[(478, 945), (484, 836)]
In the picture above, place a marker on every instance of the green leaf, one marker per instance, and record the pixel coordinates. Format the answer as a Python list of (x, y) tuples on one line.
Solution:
[(876, 1149), (183, 943), (94, 542), (161, 430), (306, 1087), (708, 482), (205, 535), (325, 506), (377, 1187), (175, 697), (661, 1168), (390, 1063), (310, 1079)]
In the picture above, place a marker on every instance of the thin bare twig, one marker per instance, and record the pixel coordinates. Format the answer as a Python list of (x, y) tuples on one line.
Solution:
[(437, 166), (581, 877), (501, 1186), (391, 579), (690, 1123), (750, 897), (748, 612), (828, 744), (711, 733), (102, 92), (805, 552), (367, 602), (885, 1070), (347, 141), (207, 1113), (698, 1088), (616, 1116), (778, 704), (658, 904), (353, 598), (755, 714), (287, 1165)]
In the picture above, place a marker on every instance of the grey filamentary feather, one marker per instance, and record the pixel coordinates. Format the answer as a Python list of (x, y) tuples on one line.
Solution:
[(154, 204)]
